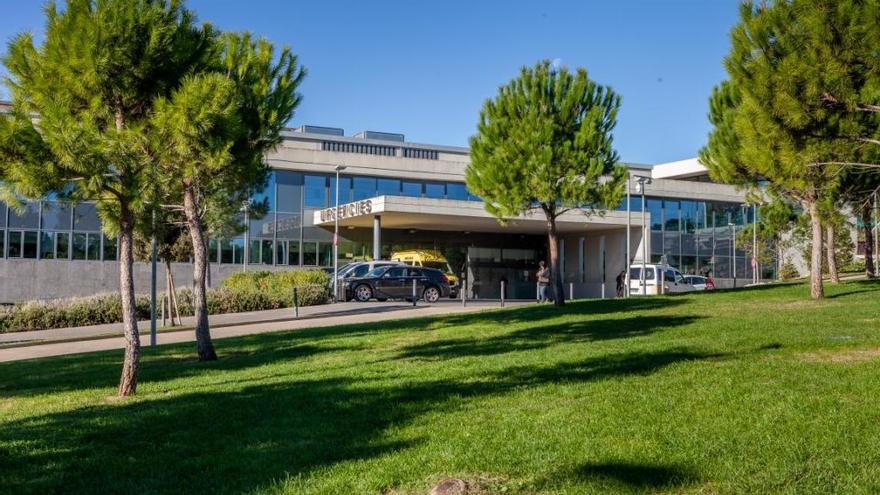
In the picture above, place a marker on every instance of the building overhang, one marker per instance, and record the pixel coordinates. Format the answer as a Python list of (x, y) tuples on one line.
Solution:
[(399, 212)]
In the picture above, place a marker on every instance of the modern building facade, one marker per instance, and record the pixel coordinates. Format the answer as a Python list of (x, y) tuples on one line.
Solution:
[(397, 195)]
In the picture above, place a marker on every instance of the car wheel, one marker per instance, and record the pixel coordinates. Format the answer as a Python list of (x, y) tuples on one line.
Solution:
[(363, 293), (431, 294)]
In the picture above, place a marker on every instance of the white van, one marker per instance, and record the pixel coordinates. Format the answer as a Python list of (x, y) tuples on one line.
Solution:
[(674, 280)]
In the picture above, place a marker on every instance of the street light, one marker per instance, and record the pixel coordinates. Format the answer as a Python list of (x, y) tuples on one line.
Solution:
[(246, 208), (641, 182), (733, 252), (338, 169), (628, 228)]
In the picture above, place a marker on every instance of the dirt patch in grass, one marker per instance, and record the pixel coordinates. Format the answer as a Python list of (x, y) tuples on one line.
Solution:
[(843, 356)]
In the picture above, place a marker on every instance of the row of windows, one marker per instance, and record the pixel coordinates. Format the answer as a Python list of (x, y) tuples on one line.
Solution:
[(374, 149), (674, 215), (278, 252), (30, 244), (422, 154), (366, 149)]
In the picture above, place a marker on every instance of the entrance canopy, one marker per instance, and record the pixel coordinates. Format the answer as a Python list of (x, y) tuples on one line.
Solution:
[(399, 212)]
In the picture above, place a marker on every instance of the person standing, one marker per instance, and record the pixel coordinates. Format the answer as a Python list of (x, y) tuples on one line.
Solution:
[(621, 282), (543, 282)]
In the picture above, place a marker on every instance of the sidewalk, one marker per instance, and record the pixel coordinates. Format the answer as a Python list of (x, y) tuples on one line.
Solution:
[(44, 343)]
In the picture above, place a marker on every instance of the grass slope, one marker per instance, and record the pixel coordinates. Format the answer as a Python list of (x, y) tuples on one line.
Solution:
[(758, 391)]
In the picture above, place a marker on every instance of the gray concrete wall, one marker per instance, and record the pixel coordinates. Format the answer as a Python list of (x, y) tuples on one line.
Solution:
[(22, 280)]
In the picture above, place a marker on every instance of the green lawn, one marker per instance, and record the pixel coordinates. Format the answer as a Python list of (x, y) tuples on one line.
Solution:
[(758, 391)]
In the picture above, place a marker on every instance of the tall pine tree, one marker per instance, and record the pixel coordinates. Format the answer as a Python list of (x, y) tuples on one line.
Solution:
[(544, 143)]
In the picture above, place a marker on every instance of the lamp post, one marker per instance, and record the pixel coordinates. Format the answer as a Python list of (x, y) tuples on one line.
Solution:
[(733, 252), (628, 222), (338, 169), (641, 182), (246, 208)]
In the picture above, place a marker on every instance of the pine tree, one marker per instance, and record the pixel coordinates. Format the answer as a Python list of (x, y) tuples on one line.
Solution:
[(92, 83), (545, 143), (214, 133)]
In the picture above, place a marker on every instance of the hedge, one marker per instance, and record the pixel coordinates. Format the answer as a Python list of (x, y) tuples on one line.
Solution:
[(251, 291)]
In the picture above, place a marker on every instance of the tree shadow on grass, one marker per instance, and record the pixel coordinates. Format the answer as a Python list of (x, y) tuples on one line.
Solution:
[(634, 475), (241, 439), (546, 335)]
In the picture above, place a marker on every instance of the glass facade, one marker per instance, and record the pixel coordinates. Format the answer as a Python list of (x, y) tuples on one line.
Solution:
[(695, 236)]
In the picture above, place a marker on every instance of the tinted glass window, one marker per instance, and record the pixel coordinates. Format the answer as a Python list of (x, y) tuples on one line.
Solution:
[(377, 272), (85, 217), (655, 209), (267, 193), (395, 272), (15, 244), (455, 190), (62, 241), (437, 191), (56, 216), (635, 273), (28, 219), (364, 187), (670, 215), (315, 191), (344, 190), (289, 191), (47, 246), (413, 189), (360, 271), (390, 187)]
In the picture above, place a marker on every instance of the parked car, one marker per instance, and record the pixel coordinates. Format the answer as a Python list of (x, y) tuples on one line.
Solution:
[(429, 258), (674, 281), (358, 269), (700, 282), (396, 282)]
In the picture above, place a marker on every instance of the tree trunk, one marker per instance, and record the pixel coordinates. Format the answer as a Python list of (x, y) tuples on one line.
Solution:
[(869, 238), (207, 262), (553, 244), (204, 346), (816, 289), (831, 255), (131, 364)]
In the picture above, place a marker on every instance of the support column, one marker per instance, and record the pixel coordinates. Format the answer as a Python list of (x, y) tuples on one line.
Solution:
[(377, 237)]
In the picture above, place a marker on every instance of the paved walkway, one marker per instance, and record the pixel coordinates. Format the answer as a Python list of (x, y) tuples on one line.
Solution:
[(44, 343)]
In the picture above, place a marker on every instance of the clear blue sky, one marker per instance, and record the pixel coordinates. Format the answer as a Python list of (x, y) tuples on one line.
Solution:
[(424, 68)]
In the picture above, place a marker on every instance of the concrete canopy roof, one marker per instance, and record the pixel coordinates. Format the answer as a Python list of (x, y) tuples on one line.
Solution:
[(400, 212)]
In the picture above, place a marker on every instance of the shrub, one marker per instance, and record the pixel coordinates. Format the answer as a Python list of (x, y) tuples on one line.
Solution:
[(788, 271), (853, 266), (252, 291)]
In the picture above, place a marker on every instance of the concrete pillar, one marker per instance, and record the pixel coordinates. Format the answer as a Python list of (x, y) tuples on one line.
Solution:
[(377, 237)]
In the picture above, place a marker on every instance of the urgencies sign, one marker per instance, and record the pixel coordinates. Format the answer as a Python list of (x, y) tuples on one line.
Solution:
[(349, 210)]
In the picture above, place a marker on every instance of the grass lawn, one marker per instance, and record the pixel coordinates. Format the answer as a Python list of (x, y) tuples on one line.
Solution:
[(757, 391)]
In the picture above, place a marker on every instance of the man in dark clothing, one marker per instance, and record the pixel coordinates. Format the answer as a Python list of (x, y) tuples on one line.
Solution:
[(621, 283)]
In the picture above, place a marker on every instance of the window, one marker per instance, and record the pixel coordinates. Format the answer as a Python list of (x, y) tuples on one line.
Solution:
[(80, 242), (226, 251), (47, 246), (360, 270), (281, 252), (670, 215), (412, 189), (363, 188), (655, 209), (56, 216), (28, 219), (310, 253), (290, 186), (455, 190), (388, 187), (15, 244), (110, 244), (254, 252), (30, 245), (212, 250), (433, 190), (395, 272), (2, 243), (315, 191), (85, 217), (635, 273), (238, 251), (344, 190), (325, 254), (266, 255), (293, 254), (94, 247), (267, 194)]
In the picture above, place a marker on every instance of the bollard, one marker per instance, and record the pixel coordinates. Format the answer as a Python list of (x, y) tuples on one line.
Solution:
[(163, 311), (502, 293), (414, 292), (463, 295), (571, 291), (295, 303)]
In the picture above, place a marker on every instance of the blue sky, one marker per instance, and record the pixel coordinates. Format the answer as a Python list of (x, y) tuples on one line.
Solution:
[(424, 68)]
